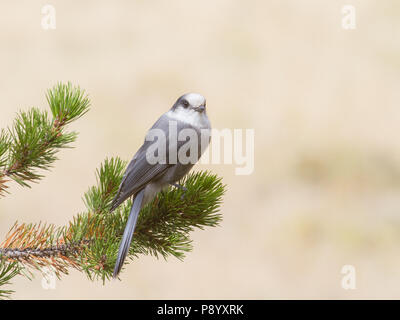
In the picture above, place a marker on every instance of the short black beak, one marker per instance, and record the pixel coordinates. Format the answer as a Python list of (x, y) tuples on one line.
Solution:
[(201, 108)]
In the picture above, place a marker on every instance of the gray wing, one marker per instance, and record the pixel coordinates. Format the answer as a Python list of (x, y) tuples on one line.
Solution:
[(139, 171)]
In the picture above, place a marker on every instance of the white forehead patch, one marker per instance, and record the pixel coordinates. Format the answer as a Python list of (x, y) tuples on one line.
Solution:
[(195, 99)]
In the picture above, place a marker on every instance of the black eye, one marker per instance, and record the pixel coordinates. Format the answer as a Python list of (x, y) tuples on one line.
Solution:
[(185, 103)]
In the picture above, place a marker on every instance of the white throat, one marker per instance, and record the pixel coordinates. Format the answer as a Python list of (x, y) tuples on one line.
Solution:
[(189, 116)]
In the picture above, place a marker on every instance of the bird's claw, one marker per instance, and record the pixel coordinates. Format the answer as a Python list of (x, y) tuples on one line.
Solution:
[(176, 185)]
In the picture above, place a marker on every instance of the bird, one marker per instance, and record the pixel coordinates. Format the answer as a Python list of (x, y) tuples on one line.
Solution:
[(144, 177)]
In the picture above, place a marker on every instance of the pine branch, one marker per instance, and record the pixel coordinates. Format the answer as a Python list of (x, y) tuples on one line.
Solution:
[(91, 240), (31, 143), (34, 139)]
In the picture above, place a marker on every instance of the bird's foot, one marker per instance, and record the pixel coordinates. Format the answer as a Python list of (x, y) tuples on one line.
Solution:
[(176, 185), (156, 201)]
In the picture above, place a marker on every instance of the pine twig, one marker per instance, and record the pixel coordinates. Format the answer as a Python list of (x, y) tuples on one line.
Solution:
[(34, 139)]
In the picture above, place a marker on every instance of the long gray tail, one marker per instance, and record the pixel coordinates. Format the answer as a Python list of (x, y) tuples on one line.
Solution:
[(128, 233)]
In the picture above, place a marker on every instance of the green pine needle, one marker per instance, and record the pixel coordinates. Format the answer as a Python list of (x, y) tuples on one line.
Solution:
[(34, 138), (4, 147), (7, 272), (67, 103)]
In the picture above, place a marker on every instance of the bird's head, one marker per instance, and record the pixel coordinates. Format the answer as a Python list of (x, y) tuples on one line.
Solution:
[(189, 103)]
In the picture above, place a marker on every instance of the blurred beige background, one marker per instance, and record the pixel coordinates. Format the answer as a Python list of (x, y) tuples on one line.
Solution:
[(324, 103)]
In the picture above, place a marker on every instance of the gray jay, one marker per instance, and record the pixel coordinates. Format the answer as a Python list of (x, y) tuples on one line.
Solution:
[(145, 177)]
